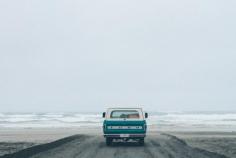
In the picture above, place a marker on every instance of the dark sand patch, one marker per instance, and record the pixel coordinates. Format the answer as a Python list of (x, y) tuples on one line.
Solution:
[(84, 146)]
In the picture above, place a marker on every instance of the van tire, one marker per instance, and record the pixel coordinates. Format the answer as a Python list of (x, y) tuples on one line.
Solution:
[(141, 141), (108, 141)]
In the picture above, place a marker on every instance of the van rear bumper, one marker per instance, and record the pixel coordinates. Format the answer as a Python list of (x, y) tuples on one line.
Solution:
[(125, 135)]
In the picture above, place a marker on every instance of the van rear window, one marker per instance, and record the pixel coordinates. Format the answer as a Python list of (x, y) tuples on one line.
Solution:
[(129, 114)]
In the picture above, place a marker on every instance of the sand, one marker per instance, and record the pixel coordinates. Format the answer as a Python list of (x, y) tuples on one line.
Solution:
[(88, 142)]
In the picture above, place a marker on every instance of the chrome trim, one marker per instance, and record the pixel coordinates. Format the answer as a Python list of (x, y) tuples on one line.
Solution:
[(125, 133), (124, 127)]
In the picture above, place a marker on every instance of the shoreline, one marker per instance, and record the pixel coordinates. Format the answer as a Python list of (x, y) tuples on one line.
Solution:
[(44, 135)]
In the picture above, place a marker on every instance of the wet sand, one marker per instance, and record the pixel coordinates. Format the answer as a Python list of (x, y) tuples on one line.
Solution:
[(86, 143)]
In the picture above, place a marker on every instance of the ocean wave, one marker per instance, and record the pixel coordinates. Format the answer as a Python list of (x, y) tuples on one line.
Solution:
[(94, 119)]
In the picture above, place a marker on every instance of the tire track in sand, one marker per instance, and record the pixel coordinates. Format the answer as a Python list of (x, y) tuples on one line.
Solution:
[(84, 146)]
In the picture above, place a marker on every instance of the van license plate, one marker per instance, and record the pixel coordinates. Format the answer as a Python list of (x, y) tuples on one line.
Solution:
[(124, 135)]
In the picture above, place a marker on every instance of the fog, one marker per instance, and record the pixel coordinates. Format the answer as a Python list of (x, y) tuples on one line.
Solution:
[(88, 55)]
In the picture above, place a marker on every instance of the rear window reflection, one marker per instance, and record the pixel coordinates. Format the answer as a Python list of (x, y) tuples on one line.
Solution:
[(129, 114)]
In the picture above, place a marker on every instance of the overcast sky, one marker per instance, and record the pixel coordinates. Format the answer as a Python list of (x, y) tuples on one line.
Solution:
[(74, 55)]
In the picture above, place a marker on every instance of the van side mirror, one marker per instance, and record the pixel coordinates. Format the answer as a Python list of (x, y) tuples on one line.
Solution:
[(146, 115), (103, 114)]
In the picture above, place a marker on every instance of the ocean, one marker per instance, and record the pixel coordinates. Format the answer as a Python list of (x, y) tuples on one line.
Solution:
[(214, 121)]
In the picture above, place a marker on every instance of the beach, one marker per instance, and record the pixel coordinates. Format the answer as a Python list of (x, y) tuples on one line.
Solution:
[(89, 142), (117, 79), (65, 135)]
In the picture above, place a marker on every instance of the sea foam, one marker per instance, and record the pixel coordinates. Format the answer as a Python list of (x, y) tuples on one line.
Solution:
[(181, 120)]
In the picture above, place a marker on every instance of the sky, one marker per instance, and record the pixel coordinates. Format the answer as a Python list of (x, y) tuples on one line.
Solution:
[(74, 55)]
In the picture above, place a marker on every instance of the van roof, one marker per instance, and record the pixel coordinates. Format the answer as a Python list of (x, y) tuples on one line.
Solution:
[(125, 108)]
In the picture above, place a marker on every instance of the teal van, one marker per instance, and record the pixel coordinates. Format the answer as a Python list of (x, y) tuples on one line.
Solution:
[(124, 124)]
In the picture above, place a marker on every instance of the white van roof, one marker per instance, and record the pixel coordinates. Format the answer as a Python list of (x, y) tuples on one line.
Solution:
[(125, 108)]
